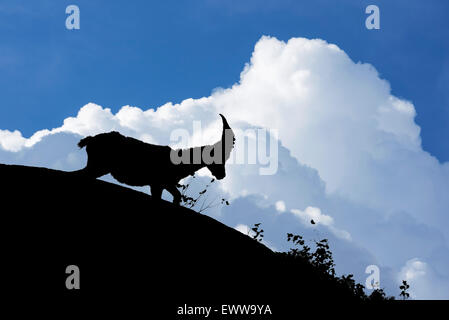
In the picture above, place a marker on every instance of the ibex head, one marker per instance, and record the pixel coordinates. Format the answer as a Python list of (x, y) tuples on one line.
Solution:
[(221, 151)]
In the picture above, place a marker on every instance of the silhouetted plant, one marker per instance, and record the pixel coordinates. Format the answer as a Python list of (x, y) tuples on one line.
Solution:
[(321, 262), (355, 288), (258, 233), (298, 240), (320, 259), (404, 287), (378, 295), (195, 202)]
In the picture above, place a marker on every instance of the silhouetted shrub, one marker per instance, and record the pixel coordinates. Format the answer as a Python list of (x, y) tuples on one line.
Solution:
[(258, 233), (379, 295), (320, 263), (201, 201), (404, 287)]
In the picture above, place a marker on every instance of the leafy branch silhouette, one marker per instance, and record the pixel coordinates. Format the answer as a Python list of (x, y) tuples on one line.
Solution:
[(201, 201), (258, 233), (404, 287)]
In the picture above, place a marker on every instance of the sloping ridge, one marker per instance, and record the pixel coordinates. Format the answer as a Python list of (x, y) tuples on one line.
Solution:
[(127, 246), (51, 219)]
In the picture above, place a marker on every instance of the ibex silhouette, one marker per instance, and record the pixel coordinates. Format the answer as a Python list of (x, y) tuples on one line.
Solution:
[(137, 163)]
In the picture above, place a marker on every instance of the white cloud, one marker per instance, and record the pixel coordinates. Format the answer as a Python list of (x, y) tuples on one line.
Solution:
[(243, 228), (11, 141), (311, 213), (346, 146), (314, 214), (280, 206)]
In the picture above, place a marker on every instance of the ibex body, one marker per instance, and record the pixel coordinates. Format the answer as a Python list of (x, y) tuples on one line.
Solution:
[(137, 163)]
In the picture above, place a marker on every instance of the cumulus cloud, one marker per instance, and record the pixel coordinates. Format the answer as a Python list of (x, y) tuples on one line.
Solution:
[(280, 206), (311, 213), (345, 146), (313, 216)]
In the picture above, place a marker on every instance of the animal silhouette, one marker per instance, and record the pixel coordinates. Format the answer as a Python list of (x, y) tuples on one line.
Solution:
[(137, 163)]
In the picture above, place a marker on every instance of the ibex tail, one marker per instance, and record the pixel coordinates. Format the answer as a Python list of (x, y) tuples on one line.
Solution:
[(83, 142)]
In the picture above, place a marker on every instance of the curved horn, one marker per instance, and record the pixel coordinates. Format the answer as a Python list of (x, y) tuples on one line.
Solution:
[(227, 138), (225, 122)]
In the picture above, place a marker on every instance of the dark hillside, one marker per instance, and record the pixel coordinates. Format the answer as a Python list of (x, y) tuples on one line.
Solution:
[(134, 251)]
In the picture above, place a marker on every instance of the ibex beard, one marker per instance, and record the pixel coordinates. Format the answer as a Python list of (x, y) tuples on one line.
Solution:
[(136, 163)]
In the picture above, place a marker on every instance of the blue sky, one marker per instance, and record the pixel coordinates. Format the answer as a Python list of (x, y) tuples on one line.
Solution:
[(145, 53)]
